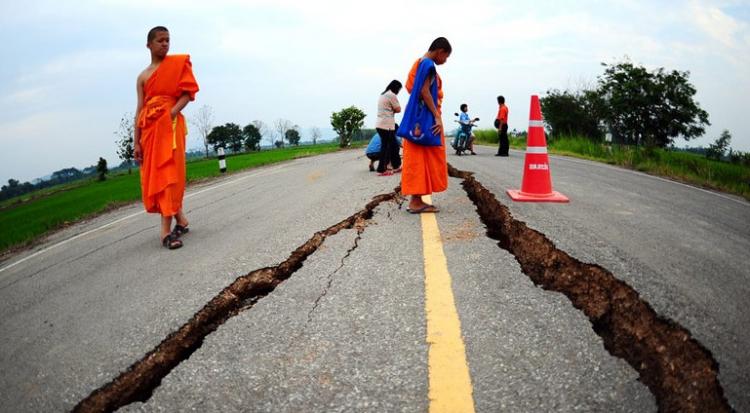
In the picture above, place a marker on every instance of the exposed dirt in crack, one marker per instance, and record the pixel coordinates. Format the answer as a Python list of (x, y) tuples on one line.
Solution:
[(681, 373), (138, 382)]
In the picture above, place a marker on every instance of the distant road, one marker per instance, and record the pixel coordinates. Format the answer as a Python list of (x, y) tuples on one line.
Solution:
[(347, 331)]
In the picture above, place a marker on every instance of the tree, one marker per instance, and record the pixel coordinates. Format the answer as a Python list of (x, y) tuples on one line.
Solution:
[(218, 137), (203, 121), (346, 123), (101, 169), (65, 175), (125, 133), (649, 108), (235, 138), (263, 130), (315, 135), (252, 137), (15, 188), (280, 127), (10, 190), (573, 113), (292, 136), (228, 136), (717, 149)]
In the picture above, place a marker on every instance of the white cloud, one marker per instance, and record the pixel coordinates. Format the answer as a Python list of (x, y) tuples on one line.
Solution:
[(83, 80), (716, 24)]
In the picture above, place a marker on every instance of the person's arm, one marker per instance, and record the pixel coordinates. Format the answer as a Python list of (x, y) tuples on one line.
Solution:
[(137, 151), (395, 105), (181, 103), (427, 97)]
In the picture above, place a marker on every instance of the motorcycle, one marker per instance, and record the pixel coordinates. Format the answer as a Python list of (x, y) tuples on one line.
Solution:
[(462, 141)]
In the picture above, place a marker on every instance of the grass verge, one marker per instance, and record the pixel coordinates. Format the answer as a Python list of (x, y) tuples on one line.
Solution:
[(25, 219)]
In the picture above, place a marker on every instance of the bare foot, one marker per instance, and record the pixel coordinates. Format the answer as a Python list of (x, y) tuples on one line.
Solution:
[(181, 219)]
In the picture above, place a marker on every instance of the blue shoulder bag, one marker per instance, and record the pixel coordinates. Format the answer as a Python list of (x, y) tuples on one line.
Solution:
[(416, 125)]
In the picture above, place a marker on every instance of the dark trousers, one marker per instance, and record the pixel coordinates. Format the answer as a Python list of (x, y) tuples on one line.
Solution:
[(388, 150), (504, 145)]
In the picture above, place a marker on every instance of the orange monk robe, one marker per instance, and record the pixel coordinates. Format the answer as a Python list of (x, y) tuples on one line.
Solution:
[(424, 168), (162, 139)]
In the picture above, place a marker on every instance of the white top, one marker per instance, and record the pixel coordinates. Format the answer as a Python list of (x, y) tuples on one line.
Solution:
[(387, 107)]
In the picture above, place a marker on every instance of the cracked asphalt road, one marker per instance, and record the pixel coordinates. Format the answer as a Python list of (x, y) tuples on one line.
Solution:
[(77, 315)]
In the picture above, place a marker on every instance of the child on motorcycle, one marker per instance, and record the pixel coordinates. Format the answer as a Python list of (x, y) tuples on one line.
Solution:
[(465, 126)]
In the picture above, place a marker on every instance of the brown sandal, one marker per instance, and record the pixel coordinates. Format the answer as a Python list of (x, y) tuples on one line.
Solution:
[(424, 209)]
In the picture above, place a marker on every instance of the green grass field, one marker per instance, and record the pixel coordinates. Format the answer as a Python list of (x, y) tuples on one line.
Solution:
[(23, 219), (489, 137), (680, 166), (40, 193)]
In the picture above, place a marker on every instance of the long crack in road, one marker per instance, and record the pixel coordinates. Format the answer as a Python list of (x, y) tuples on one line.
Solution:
[(680, 372), (138, 382)]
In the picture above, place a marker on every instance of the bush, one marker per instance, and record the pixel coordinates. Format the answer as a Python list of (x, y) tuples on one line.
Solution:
[(486, 135), (681, 165), (579, 145), (717, 149)]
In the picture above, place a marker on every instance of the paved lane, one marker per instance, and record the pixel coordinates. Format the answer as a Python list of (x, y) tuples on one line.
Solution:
[(347, 332)]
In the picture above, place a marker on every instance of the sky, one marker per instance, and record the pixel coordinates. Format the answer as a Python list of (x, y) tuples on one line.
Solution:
[(68, 72)]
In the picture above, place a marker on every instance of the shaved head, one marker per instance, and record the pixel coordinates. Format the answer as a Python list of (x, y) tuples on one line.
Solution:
[(152, 32)]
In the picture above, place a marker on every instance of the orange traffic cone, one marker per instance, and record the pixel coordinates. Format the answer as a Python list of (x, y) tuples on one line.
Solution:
[(537, 182)]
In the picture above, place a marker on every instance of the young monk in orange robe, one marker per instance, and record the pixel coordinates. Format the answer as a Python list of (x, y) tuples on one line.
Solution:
[(164, 88), (425, 169)]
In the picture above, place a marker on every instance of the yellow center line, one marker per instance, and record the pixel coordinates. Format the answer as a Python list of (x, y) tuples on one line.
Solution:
[(450, 383)]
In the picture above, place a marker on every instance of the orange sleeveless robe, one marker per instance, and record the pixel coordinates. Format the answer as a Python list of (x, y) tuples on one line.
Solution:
[(163, 140), (424, 169)]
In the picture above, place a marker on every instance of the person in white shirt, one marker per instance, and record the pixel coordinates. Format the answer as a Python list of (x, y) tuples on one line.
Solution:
[(389, 160)]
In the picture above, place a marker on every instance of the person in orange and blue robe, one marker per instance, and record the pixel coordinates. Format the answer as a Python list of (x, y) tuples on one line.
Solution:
[(425, 169)]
